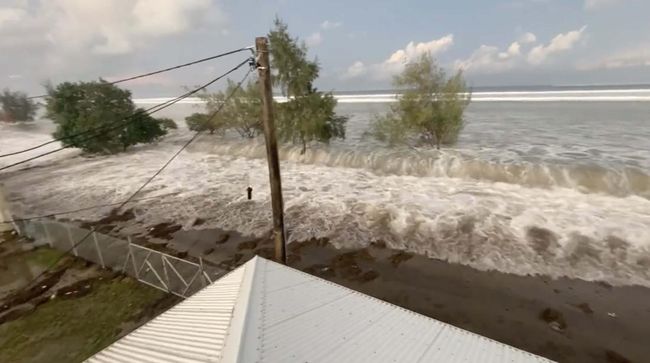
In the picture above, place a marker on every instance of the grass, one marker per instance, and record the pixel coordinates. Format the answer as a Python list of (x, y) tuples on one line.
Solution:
[(71, 330), (43, 257)]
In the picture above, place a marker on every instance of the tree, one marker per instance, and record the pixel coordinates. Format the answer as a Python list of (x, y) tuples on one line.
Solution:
[(87, 106), (167, 123), (308, 115), (16, 106), (142, 128), (240, 112), (202, 122), (430, 107)]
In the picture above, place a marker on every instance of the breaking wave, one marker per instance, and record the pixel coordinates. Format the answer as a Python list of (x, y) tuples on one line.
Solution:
[(456, 164)]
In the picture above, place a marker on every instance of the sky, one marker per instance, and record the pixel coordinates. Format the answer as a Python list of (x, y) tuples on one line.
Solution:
[(359, 44)]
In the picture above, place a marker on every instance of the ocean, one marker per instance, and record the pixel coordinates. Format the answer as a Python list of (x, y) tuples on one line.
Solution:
[(544, 180)]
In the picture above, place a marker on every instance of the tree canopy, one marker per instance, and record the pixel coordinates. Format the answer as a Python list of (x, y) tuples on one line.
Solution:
[(429, 109), (241, 112), (308, 115), (86, 106), (16, 106)]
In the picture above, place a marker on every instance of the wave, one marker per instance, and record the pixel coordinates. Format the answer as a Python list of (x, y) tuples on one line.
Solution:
[(620, 95), (454, 164), (464, 219)]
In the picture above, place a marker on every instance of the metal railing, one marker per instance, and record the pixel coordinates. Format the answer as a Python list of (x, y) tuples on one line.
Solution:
[(149, 266)]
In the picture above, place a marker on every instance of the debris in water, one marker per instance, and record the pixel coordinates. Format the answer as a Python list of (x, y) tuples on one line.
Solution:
[(585, 308), (554, 318), (611, 315)]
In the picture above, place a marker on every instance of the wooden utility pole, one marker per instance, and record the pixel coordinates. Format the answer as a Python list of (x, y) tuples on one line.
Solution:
[(264, 69)]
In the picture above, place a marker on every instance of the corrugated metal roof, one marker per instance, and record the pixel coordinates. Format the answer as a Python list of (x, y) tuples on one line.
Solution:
[(284, 315), (193, 331)]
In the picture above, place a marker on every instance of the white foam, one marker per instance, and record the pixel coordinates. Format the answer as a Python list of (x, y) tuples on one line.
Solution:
[(614, 95), (481, 224)]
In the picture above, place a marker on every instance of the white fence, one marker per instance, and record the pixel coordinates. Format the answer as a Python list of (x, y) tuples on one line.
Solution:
[(154, 268)]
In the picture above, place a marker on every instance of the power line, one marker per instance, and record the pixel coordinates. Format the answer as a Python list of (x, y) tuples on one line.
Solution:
[(75, 245), (127, 120), (27, 219), (170, 68)]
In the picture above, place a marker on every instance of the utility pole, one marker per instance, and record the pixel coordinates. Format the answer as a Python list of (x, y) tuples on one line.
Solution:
[(264, 69)]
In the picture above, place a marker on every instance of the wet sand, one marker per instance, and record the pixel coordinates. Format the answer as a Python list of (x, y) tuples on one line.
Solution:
[(565, 320)]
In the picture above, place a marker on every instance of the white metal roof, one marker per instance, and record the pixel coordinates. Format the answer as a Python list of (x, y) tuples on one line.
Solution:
[(267, 312)]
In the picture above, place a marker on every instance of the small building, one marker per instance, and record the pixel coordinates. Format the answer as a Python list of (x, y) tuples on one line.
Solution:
[(267, 312)]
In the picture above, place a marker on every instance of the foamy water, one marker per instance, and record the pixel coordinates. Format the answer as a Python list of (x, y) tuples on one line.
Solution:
[(560, 189), (607, 95)]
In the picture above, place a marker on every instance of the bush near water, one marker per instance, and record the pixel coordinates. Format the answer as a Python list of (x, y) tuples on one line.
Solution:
[(104, 113), (16, 106)]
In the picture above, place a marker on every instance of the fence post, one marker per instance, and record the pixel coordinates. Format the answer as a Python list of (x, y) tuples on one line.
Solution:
[(130, 254), (99, 251), (48, 235), (5, 214), (163, 261), (74, 247), (202, 272)]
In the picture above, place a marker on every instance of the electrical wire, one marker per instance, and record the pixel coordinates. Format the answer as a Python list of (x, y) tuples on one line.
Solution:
[(196, 134), (55, 214), (170, 68), (129, 119)]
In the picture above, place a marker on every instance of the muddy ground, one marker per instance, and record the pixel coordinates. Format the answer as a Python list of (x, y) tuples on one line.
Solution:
[(70, 312), (566, 320)]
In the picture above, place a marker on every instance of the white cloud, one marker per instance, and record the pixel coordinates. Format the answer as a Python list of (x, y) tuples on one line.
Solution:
[(103, 26), (561, 43), (636, 57), (355, 70), (314, 39), (327, 25), (396, 61), (10, 16), (527, 38), (596, 4), (15, 76), (488, 59)]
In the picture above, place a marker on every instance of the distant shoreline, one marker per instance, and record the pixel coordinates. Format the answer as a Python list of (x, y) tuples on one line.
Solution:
[(564, 95)]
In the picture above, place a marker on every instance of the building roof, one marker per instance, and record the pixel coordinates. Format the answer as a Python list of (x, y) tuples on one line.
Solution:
[(267, 312)]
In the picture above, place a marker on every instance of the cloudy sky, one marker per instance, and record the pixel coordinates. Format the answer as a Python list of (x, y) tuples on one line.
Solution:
[(360, 44)]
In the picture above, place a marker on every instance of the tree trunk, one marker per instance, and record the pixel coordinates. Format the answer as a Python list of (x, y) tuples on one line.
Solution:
[(304, 147)]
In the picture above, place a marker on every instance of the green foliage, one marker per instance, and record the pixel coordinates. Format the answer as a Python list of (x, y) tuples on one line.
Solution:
[(241, 112), (308, 115), (142, 129), (293, 73), (429, 109), (84, 106), (201, 122), (16, 107), (167, 123)]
